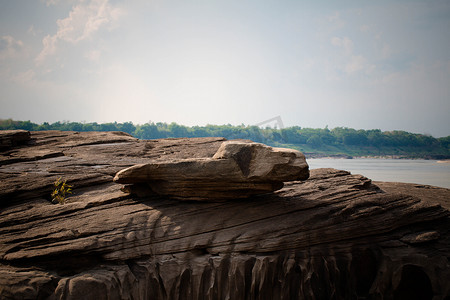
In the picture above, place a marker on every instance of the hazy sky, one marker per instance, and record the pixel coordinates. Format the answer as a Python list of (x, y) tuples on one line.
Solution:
[(360, 64)]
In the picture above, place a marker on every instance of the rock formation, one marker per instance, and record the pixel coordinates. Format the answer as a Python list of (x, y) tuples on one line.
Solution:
[(334, 236), (237, 170), (10, 138)]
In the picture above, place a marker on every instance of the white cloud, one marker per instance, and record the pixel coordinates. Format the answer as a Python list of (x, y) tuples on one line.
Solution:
[(345, 43), (49, 43), (10, 47), (364, 28), (51, 2), (25, 78), (358, 63), (386, 51), (84, 20), (93, 55), (336, 21), (351, 63), (33, 31)]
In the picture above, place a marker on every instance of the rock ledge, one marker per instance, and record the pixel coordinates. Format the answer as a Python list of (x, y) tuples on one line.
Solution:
[(237, 170)]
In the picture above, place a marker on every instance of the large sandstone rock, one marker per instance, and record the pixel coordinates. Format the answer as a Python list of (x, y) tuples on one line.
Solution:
[(333, 236), (10, 138), (237, 170)]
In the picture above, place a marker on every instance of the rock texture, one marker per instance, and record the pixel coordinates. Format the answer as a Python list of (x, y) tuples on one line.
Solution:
[(238, 169), (333, 236), (10, 138)]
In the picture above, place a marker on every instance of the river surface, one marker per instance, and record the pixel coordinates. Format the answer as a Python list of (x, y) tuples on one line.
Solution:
[(430, 172)]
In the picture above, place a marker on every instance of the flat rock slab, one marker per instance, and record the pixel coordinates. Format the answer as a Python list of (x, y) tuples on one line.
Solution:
[(335, 235), (237, 170)]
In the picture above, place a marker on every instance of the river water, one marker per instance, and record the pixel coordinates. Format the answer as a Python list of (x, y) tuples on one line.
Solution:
[(430, 172)]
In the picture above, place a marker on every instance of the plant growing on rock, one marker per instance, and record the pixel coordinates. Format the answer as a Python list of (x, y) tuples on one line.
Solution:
[(60, 191)]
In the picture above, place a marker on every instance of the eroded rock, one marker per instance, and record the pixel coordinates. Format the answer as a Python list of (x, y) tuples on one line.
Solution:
[(237, 170), (334, 236), (12, 138)]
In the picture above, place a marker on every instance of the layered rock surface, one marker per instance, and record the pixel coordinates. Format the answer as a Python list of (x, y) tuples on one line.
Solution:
[(237, 170), (333, 236)]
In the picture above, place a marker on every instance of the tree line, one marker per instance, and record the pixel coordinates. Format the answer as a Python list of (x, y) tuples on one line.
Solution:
[(314, 139)]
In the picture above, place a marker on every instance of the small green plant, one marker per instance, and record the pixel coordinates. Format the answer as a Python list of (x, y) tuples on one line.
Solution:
[(60, 191)]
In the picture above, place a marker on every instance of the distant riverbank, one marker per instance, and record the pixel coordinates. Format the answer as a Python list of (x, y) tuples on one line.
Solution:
[(352, 152), (419, 171), (344, 156), (339, 142)]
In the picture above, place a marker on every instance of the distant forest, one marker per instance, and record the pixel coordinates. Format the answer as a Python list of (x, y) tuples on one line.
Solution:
[(339, 141)]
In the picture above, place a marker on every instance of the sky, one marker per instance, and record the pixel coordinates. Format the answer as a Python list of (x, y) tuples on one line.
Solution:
[(360, 64)]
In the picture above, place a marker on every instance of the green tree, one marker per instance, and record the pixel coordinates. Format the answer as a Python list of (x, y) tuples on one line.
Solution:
[(314, 140), (147, 132), (127, 127)]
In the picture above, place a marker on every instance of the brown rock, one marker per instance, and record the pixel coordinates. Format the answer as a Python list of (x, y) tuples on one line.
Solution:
[(237, 170), (420, 237), (11, 138), (333, 236)]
